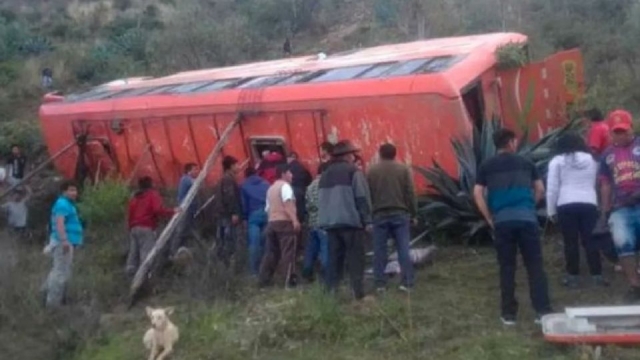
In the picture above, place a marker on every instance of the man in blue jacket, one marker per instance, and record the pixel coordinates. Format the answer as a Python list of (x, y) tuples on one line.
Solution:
[(191, 171), (254, 195)]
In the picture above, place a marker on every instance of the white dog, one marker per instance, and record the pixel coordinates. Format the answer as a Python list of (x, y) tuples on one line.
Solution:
[(162, 335)]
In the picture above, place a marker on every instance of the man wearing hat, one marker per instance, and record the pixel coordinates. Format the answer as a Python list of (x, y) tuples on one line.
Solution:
[(344, 211), (620, 194)]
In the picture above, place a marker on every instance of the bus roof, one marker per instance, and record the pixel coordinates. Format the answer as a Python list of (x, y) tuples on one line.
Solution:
[(446, 65)]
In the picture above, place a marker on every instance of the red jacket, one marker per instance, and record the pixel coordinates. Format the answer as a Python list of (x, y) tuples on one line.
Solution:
[(267, 167), (145, 209)]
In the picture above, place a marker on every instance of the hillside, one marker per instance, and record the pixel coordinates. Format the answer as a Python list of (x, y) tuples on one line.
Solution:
[(452, 314)]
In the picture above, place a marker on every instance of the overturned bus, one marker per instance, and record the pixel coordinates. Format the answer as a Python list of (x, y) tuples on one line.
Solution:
[(416, 95)]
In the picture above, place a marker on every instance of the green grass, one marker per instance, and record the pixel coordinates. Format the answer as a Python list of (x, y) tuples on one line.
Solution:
[(452, 314)]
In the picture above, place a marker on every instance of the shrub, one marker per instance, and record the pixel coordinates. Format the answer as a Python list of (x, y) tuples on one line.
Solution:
[(122, 5), (9, 72), (512, 55), (104, 203), (450, 207), (25, 133)]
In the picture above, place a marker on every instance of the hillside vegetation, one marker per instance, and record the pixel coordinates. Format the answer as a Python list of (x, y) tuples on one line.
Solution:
[(87, 42), (452, 314)]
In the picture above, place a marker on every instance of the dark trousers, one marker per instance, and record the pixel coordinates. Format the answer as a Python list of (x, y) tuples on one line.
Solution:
[(280, 251), (301, 203), (577, 222), (509, 236), (395, 227), (346, 245), (225, 240)]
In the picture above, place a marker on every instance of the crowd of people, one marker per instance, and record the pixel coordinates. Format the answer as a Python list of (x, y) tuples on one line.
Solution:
[(592, 192), (283, 207)]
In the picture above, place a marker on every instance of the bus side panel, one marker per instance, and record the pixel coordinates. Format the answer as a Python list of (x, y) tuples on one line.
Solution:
[(163, 156), (235, 145), (141, 156), (205, 137), (421, 127), (303, 139), (182, 146)]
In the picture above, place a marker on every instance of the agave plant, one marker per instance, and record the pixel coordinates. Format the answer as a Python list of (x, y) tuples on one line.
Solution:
[(449, 207)]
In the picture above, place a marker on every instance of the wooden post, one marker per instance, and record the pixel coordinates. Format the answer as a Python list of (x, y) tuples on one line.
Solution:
[(210, 199), (136, 167), (143, 270), (37, 169)]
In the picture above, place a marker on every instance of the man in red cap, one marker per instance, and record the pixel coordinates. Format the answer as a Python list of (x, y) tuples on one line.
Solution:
[(620, 194)]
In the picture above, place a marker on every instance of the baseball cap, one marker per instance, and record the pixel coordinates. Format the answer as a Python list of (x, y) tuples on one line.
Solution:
[(620, 120)]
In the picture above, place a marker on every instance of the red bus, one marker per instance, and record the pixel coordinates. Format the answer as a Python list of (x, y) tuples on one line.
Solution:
[(416, 95)]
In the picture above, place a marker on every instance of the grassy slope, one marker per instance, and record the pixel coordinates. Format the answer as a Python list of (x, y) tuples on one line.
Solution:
[(454, 315)]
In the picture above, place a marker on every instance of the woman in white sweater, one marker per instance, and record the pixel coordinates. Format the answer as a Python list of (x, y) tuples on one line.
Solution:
[(572, 200)]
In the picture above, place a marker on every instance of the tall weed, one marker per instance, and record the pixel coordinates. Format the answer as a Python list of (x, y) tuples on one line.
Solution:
[(104, 204)]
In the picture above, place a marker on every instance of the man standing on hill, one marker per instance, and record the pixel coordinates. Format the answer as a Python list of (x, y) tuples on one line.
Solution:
[(227, 210), (344, 211), (17, 164), (598, 137), (186, 182), (254, 199), (65, 236), (394, 207), (620, 195), (144, 212), (282, 230), (513, 188)]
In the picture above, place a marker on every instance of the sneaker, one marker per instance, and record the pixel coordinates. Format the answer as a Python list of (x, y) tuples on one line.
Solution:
[(633, 295), (508, 320), (381, 290), (405, 289), (571, 281), (598, 280)]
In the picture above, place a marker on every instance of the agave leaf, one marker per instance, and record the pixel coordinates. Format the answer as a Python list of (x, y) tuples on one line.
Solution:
[(442, 225), (435, 206), (478, 226)]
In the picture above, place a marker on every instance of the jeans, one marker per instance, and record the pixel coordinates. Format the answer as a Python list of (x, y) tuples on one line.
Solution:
[(226, 241), (55, 286), (346, 245), (577, 222), (395, 227), (317, 246), (256, 224), (509, 236), (625, 227), (141, 241)]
